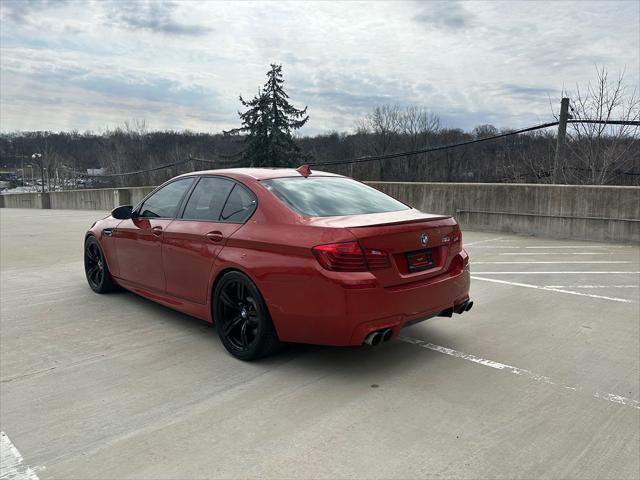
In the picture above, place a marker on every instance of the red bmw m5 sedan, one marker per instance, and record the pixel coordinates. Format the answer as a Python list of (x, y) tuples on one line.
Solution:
[(283, 255)]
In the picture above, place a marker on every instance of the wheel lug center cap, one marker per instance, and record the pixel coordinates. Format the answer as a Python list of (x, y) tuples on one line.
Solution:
[(244, 313)]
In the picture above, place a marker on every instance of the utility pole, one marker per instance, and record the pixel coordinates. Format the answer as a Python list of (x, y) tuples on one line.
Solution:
[(562, 136)]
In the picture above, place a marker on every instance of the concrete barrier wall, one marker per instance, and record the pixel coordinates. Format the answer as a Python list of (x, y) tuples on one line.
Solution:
[(97, 199), (25, 200), (560, 211), (137, 194)]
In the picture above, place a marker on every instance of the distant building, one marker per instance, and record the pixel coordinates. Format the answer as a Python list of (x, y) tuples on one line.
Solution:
[(95, 171)]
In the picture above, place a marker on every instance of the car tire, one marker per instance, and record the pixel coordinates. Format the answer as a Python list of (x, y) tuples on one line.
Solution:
[(96, 268), (242, 318)]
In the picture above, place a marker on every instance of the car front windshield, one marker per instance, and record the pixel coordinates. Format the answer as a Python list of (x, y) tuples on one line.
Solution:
[(331, 196)]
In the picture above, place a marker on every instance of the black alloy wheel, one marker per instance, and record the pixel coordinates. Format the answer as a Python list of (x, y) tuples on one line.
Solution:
[(95, 267), (242, 319)]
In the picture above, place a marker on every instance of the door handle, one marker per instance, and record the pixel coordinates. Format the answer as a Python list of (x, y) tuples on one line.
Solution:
[(157, 231), (214, 236)]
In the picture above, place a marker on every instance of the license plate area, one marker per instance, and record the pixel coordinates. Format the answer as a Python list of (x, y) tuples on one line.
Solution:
[(419, 260)]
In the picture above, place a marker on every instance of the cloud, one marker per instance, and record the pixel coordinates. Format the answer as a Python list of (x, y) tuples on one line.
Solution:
[(153, 16), (357, 91), (450, 15), (68, 105), (526, 92), (22, 12), (162, 90), (106, 80), (91, 93), (106, 61)]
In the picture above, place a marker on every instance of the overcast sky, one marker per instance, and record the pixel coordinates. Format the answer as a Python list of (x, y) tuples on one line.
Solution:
[(91, 65)]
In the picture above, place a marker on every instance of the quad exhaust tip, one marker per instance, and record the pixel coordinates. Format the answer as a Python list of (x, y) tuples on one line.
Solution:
[(459, 309), (373, 339), (384, 335), (376, 338), (387, 334)]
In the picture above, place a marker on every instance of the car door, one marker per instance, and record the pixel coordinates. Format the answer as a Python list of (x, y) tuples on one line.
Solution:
[(139, 239), (216, 208)]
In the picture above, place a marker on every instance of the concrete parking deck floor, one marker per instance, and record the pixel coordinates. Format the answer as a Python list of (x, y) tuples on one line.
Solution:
[(540, 379)]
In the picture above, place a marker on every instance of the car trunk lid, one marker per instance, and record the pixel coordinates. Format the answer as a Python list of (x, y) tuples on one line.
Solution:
[(417, 243)]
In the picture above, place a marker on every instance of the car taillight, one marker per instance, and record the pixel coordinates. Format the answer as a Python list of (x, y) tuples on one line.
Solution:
[(376, 259), (341, 257), (349, 257), (456, 242)]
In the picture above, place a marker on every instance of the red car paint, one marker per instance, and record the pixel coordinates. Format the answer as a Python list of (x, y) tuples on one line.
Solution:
[(174, 262)]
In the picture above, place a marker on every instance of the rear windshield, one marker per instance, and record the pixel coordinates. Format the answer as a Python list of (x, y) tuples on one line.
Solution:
[(331, 196)]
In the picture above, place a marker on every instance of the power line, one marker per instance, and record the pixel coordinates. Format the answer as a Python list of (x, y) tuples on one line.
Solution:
[(468, 142), (606, 122), (377, 157), (137, 172), (434, 149)]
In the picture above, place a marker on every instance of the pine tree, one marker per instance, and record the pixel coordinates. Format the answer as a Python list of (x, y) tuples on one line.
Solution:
[(269, 122)]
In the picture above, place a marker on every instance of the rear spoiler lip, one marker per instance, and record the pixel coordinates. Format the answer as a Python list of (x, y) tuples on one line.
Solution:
[(404, 222), (408, 216)]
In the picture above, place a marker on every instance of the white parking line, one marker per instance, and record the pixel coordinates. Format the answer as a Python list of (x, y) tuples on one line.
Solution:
[(583, 262), (576, 246), (555, 253), (12, 466), (550, 289), (548, 273), (629, 402), (484, 241), (592, 286), (501, 247)]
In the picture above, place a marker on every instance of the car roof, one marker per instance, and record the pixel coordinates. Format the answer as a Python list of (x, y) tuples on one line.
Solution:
[(261, 173)]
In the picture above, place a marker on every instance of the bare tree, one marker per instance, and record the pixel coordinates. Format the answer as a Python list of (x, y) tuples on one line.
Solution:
[(418, 124), (602, 152), (381, 127), (418, 128), (383, 123)]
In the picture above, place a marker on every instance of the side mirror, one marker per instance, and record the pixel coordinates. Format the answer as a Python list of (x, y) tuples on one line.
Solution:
[(123, 212)]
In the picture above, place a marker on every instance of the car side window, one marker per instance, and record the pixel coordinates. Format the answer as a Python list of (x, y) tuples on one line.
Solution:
[(164, 203), (207, 199), (240, 205)]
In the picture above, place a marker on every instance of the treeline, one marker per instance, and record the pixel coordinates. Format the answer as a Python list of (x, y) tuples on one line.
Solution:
[(66, 156), (523, 158), (594, 154)]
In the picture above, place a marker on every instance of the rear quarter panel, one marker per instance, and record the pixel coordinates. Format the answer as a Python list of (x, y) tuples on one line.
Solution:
[(299, 292)]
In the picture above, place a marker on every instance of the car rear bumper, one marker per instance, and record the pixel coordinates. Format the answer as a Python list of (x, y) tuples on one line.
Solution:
[(328, 311), (408, 306)]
